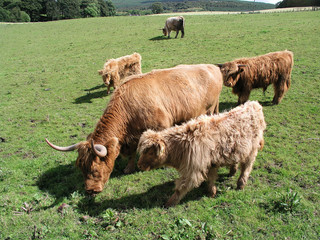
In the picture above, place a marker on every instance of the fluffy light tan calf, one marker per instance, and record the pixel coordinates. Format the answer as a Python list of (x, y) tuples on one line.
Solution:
[(116, 70), (198, 148)]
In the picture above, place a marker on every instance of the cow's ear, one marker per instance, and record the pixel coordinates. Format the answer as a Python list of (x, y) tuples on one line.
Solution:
[(219, 65), (241, 67), (89, 136), (100, 72), (113, 146), (160, 148)]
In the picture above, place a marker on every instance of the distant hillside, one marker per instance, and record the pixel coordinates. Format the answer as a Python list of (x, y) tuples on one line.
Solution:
[(200, 5)]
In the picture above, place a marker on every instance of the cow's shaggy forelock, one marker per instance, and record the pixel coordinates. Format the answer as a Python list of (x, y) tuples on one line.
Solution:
[(85, 157), (148, 138)]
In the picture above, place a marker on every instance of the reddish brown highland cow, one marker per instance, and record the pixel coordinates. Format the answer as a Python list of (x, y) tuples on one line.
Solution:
[(155, 100), (245, 74)]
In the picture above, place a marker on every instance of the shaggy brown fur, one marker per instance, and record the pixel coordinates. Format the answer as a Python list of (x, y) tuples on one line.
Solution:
[(245, 74), (198, 148), (115, 70), (174, 24), (155, 100)]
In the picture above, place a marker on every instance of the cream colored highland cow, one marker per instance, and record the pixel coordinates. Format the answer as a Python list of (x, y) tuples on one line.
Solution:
[(198, 148), (116, 70)]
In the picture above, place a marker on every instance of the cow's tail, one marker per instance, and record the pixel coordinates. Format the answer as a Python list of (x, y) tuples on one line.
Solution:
[(288, 82), (181, 21), (288, 79)]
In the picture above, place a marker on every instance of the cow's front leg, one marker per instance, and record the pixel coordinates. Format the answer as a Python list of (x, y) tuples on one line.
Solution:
[(176, 197), (243, 97), (212, 178), (169, 33), (130, 168), (183, 186)]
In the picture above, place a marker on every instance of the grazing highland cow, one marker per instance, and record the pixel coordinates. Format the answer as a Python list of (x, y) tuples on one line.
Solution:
[(156, 100), (198, 148), (245, 74), (115, 70), (174, 24)]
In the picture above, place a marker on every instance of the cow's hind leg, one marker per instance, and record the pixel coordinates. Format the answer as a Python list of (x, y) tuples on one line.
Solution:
[(233, 170), (177, 32), (182, 33), (279, 89), (246, 168), (213, 109)]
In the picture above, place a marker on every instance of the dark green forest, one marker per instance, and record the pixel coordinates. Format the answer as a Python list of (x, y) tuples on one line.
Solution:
[(148, 7), (297, 3), (48, 10)]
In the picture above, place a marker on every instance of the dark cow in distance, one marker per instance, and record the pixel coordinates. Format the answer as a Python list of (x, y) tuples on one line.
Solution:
[(155, 100), (245, 74), (174, 24)]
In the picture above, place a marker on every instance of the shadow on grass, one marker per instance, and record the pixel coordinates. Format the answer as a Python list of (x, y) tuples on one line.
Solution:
[(95, 88), (155, 196), (226, 106), (159, 38), (91, 95), (61, 181), (266, 103)]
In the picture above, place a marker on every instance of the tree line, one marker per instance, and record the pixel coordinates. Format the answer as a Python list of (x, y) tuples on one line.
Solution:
[(297, 3), (201, 5), (49, 10)]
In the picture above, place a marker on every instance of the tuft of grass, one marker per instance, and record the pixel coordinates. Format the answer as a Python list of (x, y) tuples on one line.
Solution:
[(287, 202)]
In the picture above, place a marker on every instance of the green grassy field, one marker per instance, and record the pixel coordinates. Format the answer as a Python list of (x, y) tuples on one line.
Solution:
[(50, 88)]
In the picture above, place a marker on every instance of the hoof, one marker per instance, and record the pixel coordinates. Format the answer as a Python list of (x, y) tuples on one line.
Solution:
[(129, 170)]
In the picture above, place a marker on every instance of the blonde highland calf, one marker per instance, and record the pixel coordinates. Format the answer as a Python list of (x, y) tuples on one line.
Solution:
[(198, 148), (116, 70)]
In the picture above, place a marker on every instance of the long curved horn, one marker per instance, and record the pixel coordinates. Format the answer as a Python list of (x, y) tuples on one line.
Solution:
[(99, 150), (63, 149)]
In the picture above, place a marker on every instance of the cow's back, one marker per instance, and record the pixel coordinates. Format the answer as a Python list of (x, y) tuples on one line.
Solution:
[(162, 98), (263, 70)]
